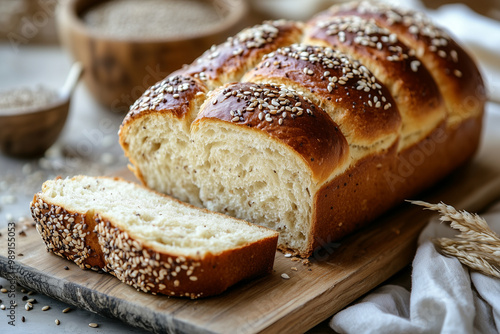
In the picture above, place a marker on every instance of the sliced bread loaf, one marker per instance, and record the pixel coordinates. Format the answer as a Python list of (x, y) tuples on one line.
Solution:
[(148, 240)]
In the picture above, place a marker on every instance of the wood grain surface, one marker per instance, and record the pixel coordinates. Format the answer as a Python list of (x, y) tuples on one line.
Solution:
[(338, 274)]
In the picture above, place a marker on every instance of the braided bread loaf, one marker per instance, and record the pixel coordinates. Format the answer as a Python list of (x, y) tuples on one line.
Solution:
[(312, 129)]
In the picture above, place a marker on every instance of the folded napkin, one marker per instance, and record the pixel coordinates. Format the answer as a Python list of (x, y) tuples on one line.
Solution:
[(445, 296)]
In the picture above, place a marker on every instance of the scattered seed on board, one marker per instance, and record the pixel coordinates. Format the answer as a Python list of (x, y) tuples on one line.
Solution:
[(66, 268), (31, 300), (31, 293), (93, 325), (4, 290), (2, 307), (57, 322), (66, 310), (288, 255), (285, 276), (23, 319), (46, 308), (294, 268)]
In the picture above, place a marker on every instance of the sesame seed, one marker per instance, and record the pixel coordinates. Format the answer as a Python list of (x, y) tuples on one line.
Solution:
[(414, 65), (285, 276), (454, 56), (46, 308), (2, 307), (457, 73), (57, 322), (93, 325), (66, 310), (4, 290)]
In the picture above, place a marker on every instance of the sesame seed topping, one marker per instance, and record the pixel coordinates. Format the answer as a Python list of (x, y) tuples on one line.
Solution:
[(338, 68), (285, 276), (416, 22), (172, 86), (272, 102)]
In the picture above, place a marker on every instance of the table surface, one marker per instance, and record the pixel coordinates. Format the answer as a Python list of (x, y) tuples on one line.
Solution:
[(88, 145)]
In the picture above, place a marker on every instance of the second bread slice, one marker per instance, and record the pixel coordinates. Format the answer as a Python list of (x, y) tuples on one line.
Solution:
[(150, 241)]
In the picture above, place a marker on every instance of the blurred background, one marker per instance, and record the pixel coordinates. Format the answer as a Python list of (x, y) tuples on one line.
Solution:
[(125, 46)]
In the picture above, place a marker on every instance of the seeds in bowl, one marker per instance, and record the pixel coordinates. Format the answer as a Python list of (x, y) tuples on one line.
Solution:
[(26, 97), (151, 18)]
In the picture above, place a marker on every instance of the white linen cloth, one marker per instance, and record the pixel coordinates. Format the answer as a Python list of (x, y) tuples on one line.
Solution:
[(445, 296)]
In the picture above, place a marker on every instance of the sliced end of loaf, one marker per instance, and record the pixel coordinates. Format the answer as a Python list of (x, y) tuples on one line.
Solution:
[(148, 240)]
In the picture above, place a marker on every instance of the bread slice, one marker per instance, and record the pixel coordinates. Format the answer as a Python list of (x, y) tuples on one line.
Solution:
[(148, 240)]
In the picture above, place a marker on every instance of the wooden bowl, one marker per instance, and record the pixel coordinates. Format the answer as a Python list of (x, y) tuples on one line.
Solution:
[(30, 132), (118, 71)]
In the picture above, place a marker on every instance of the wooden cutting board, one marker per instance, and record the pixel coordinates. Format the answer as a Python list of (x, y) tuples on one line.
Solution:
[(338, 274)]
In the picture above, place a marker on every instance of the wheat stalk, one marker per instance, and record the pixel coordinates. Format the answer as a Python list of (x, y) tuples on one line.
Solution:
[(477, 246)]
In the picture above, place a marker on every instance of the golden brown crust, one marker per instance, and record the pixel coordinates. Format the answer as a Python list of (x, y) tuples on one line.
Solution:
[(230, 60), (94, 242), (283, 115), (453, 69), (175, 94), (360, 104), (418, 96), (378, 182)]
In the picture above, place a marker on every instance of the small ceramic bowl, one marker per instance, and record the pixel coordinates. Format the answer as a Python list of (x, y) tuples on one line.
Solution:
[(29, 132), (119, 70)]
